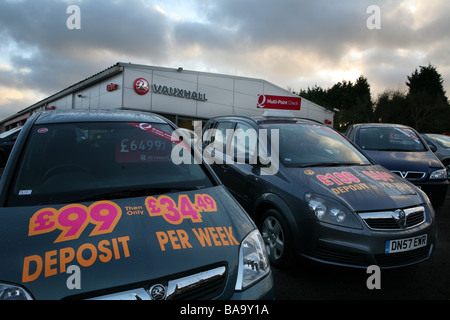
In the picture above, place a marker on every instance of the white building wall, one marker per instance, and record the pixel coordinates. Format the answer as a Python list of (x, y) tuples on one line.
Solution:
[(226, 95), (174, 105), (131, 100), (111, 99), (62, 103)]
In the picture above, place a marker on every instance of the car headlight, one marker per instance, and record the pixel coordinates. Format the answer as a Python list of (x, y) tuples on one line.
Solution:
[(331, 211), (11, 292), (439, 174), (253, 261)]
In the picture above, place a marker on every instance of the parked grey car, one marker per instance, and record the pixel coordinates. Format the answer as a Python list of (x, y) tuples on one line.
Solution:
[(440, 145), (312, 193)]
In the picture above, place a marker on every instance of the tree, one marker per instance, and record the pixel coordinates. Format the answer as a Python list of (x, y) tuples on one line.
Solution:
[(424, 106), (353, 101), (391, 107), (427, 102)]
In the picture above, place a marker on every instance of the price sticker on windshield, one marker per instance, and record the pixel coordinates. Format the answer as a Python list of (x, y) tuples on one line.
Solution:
[(138, 149)]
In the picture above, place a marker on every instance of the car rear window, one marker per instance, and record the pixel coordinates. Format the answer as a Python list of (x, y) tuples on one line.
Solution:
[(70, 162), (443, 141), (389, 139)]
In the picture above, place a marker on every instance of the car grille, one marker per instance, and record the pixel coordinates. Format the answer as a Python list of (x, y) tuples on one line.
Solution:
[(204, 285), (201, 286), (410, 175), (339, 256), (342, 257), (402, 258), (394, 220)]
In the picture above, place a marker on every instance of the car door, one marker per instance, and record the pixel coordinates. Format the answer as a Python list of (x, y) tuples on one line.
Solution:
[(215, 146), (241, 174)]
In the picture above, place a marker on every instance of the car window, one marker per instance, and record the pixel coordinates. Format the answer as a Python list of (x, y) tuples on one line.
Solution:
[(244, 140), (350, 133), (442, 140), (220, 135), (69, 162), (13, 133), (304, 144), (389, 139)]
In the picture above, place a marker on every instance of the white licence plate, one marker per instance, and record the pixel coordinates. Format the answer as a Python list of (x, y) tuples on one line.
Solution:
[(401, 245)]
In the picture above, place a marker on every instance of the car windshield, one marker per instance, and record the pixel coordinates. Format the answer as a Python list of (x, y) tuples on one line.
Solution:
[(389, 139), (85, 161), (303, 145), (442, 140)]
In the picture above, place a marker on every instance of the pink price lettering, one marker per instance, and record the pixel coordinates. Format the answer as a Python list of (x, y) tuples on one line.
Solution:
[(72, 220), (338, 178)]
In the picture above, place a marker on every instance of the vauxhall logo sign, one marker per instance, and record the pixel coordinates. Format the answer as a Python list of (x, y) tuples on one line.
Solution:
[(142, 87)]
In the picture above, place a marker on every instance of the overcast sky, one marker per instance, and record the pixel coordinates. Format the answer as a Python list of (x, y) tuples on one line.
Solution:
[(294, 44)]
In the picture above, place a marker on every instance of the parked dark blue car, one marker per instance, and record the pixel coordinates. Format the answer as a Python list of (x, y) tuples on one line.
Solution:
[(92, 206), (402, 150)]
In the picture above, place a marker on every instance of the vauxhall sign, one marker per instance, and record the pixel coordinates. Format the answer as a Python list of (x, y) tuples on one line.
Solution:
[(142, 87)]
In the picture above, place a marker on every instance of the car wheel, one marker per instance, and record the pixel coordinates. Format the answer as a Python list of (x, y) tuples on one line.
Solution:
[(276, 238)]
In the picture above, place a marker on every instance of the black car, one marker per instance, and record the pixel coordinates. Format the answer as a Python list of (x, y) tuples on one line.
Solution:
[(402, 150), (311, 192), (7, 141), (93, 207)]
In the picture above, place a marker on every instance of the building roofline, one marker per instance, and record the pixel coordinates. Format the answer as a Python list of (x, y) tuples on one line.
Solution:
[(118, 68), (115, 69)]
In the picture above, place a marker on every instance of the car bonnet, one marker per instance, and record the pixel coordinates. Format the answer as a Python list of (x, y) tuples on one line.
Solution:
[(120, 242), (362, 188), (405, 161)]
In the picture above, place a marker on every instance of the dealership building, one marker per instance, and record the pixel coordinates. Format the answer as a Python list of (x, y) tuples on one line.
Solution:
[(180, 95)]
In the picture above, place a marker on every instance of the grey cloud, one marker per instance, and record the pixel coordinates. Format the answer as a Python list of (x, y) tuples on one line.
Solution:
[(283, 41), (122, 26), (328, 26), (59, 55)]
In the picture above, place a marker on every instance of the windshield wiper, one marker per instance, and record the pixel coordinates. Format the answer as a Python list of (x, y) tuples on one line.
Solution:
[(130, 192), (397, 150), (332, 164)]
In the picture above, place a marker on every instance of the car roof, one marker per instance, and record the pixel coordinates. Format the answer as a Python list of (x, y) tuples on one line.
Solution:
[(381, 125), (97, 115), (266, 119)]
